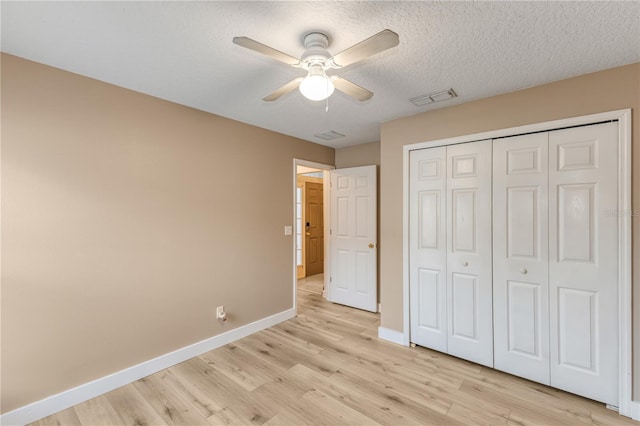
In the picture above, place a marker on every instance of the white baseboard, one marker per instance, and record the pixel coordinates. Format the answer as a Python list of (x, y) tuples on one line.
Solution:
[(52, 404), (391, 335), (635, 410)]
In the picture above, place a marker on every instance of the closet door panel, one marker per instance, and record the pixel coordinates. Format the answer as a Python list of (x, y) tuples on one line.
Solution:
[(520, 256), (427, 239), (469, 288), (464, 304), (583, 261)]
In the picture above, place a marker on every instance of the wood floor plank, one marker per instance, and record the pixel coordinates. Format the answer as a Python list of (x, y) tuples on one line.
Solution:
[(292, 341), (166, 399), (386, 351), (209, 389), (133, 408), (364, 399), (248, 411), (298, 411), (421, 407), (270, 351), (476, 416), (327, 366), (245, 369), (405, 390), (285, 356), (340, 351), (170, 376), (520, 411), (66, 417), (228, 416), (434, 384), (342, 329), (315, 304), (282, 420), (609, 417), (320, 328), (335, 411), (536, 394), (97, 411), (268, 400), (428, 358)]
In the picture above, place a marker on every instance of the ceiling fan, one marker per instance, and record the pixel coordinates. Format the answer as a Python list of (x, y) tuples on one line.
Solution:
[(316, 60)]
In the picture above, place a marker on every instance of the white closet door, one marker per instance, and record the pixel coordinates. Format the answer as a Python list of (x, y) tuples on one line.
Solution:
[(520, 256), (469, 289), (583, 261), (428, 254)]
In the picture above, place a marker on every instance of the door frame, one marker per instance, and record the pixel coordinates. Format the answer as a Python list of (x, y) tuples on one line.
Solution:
[(299, 185), (324, 167), (626, 406)]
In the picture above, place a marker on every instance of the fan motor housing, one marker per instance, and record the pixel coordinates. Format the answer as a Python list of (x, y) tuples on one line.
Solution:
[(315, 45)]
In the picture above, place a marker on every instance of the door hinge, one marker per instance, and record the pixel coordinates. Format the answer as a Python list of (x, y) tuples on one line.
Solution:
[(330, 279), (330, 231)]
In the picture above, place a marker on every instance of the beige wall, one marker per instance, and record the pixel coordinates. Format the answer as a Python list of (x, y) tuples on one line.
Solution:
[(358, 155), (125, 221), (617, 88)]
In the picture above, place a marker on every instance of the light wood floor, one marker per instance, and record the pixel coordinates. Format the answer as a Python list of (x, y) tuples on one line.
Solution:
[(326, 367), (312, 284)]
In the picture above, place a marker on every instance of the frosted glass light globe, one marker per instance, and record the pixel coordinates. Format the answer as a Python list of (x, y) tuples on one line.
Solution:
[(316, 86)]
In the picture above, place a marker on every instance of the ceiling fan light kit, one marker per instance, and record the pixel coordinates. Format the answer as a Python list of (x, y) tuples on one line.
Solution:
[(316, 60), (316, 86)]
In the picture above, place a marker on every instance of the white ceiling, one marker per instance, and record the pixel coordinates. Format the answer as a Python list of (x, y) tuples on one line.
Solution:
[(182, 51)]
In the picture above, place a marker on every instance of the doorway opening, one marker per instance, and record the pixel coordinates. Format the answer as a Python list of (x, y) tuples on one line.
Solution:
[(310, 230), (309, 222)]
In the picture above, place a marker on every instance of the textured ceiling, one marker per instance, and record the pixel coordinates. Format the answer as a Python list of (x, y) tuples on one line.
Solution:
[(182, 51)]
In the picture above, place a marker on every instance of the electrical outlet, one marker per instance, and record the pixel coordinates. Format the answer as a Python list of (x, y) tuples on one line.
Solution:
[(220, 312)]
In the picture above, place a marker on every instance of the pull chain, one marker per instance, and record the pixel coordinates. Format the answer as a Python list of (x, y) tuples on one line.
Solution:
[(326, 108)]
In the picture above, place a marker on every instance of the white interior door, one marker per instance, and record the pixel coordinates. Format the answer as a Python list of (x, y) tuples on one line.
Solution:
[(469, 275), (428, 247), (583, 261), (353, 239), (520, 256)]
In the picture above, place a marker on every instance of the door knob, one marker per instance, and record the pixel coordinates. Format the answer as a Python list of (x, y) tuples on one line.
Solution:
[(523, 271), (371, 245), (465, 263)]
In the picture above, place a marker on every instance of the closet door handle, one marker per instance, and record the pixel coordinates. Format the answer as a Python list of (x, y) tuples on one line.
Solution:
[(523, 271), (465, 263)]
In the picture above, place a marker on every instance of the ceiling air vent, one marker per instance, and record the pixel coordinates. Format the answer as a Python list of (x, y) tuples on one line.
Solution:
[(433, 97), (329, 136)]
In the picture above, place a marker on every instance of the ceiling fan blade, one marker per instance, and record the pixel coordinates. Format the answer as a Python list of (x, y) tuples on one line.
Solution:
[(289, 87), (251, 44), (351, 89), (377, 43)]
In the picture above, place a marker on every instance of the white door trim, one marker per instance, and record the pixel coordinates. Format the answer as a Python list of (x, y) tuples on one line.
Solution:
[(626, 406), (298, 162)]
